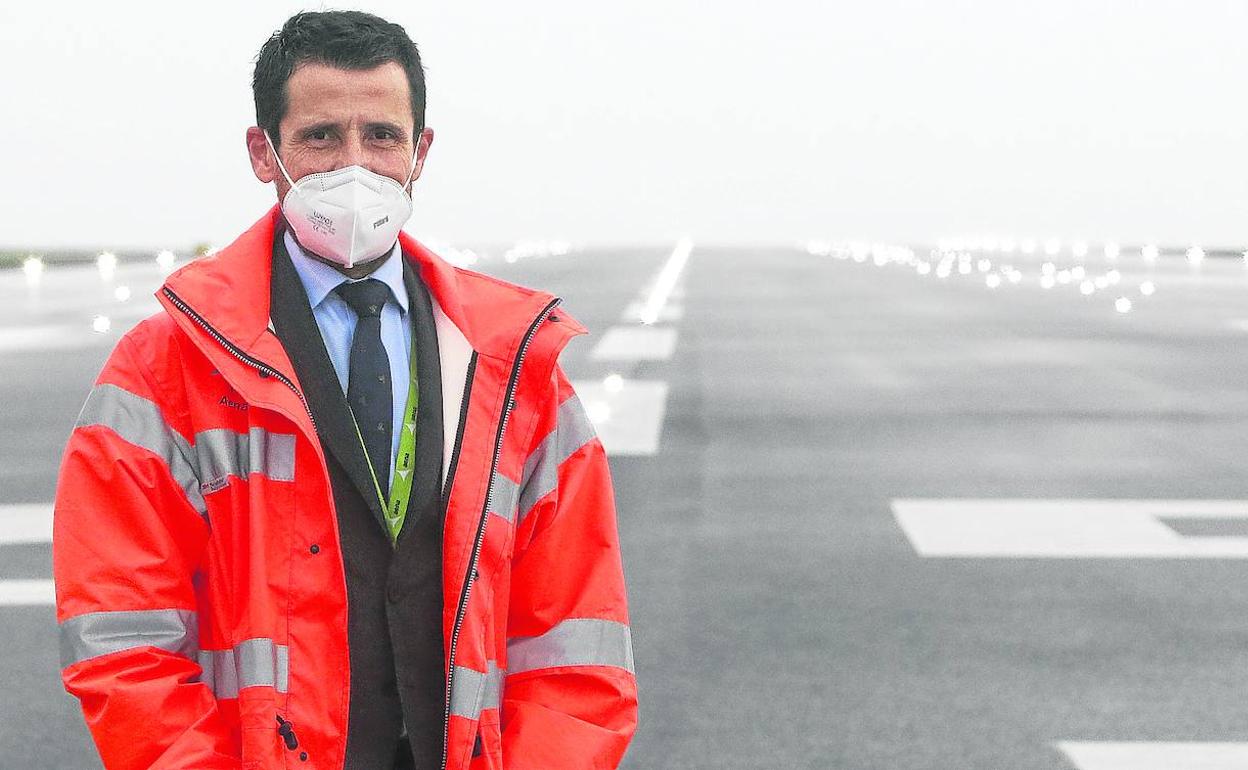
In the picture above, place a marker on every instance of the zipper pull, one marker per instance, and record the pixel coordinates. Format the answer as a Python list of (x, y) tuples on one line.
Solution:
[(287, 731)]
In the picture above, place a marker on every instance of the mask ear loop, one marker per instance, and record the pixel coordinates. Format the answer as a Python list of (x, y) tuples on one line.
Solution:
[(412, 170), (269, 139)]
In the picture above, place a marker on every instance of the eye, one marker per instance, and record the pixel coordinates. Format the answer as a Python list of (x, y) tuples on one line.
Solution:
[(318, 136), (384, 134)]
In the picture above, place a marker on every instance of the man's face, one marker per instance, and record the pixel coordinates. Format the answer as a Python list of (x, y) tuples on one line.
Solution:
[(337, 118)]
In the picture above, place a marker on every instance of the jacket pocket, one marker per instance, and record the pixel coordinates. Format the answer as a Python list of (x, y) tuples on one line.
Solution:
[(262, 743), (487, 749)]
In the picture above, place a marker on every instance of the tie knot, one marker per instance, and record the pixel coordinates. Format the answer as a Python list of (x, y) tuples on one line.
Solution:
[(366, 297)]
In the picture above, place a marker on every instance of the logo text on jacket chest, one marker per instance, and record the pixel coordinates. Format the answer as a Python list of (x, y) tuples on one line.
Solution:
[(227, 401)]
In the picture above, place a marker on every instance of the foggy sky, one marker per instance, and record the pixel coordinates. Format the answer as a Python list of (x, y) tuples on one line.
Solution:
[(645, 121)]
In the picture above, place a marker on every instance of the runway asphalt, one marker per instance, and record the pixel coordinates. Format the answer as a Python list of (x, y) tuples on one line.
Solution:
[(781, 615)]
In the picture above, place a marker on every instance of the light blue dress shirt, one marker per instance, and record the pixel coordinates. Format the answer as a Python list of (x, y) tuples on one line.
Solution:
[(337, 322)]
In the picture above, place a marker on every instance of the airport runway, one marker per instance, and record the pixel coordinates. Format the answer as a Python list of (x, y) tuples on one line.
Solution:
[(858, 502)]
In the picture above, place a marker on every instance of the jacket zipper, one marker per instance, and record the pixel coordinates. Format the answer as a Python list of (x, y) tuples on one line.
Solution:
[(489, 491), (285, 728), (510, 403), (264, 369)]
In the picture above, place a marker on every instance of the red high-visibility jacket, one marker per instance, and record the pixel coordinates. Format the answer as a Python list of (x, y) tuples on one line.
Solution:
[(200, 592)]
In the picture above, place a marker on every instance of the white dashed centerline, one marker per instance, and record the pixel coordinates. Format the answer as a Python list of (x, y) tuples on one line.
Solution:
[(635, 343), (628, 413), (627, 417), (670, 312), (666, 281)]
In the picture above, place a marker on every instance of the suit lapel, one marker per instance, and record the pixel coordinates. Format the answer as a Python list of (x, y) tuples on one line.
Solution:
[(296, 328), (425, 486)]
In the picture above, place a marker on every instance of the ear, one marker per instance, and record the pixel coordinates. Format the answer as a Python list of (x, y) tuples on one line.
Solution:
[(423, 143), (262, 162)]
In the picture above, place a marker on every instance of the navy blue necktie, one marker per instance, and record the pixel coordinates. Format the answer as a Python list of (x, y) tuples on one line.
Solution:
[(368, 384)]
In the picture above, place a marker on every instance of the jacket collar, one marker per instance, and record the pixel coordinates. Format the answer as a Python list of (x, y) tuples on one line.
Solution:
[(231, 289), (319, 280)]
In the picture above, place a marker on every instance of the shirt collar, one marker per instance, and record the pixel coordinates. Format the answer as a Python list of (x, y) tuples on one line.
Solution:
[(319, 279)]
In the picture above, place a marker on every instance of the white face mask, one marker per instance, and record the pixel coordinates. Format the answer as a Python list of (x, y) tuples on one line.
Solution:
[(349, 215)]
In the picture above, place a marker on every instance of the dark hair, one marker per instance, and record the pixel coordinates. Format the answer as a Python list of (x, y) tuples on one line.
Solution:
[(349, 40)]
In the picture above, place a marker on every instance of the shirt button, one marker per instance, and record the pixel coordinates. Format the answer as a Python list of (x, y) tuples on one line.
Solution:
[(315, 549)]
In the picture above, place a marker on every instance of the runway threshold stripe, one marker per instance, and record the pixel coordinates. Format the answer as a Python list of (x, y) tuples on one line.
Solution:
[(1146, 755), (27, 593), (25, 523), (1073, 528)]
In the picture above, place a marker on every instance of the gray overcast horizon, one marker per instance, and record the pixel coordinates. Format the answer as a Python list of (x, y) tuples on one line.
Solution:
[(730, 122)]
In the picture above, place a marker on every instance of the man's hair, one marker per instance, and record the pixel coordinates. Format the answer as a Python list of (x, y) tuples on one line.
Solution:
[(349, 40)]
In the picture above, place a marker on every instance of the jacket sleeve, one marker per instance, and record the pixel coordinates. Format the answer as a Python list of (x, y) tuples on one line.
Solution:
[(128, 533), (570, 693)]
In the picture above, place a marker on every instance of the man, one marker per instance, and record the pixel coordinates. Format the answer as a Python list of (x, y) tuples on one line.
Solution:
[(338, 505)]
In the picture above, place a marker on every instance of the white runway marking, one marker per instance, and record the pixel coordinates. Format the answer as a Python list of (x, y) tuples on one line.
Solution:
[(1155, 756), (666, 281), (672, 311), (635, 343), (27, 593), (1238, 323), (26, 523), (1057, 529), (74, 336), (628, 420), (18, 339)]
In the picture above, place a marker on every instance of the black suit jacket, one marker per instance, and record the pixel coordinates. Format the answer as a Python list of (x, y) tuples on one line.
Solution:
[(394, 593)]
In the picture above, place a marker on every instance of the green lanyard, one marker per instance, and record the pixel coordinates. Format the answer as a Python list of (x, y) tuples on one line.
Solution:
[(401, 485)]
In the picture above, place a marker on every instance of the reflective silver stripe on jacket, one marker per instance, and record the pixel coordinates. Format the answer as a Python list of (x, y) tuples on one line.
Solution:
[(138, 421), (472, 690), (252, 663), (222, 452), (574, 642), (102, 633), (503, 497), (572, 431), (199, 469)]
